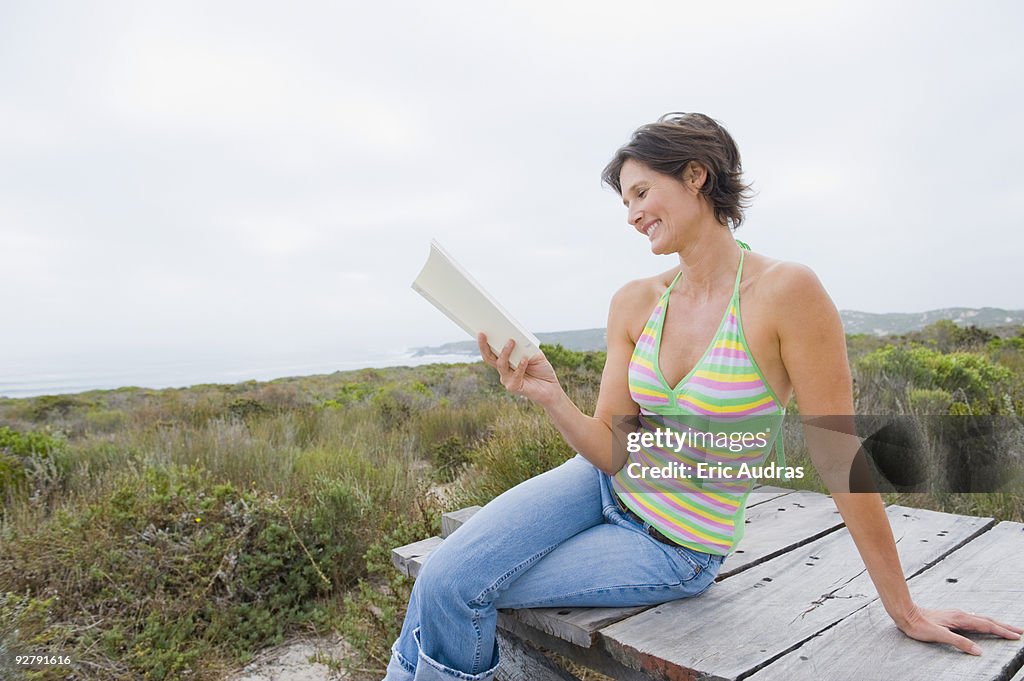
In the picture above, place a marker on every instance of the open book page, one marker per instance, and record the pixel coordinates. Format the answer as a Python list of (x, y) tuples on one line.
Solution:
[(454, 292)]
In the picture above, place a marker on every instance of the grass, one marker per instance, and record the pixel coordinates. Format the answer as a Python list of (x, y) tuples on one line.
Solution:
[(161, 534)]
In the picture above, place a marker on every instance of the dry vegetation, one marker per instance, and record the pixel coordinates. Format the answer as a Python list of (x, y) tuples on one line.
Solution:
[(175, 533)]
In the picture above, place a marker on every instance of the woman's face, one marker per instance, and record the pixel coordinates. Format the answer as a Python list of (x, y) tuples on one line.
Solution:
[(662, 208)]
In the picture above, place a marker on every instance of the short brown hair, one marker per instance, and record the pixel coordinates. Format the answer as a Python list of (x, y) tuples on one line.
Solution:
[(676, 139)]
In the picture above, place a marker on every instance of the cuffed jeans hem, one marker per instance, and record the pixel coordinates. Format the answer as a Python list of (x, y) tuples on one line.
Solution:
[(399, 668), (429, 669)]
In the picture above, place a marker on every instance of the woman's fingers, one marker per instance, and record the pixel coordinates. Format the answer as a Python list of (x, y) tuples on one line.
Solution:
[(942, 626), (516, 383), (512, 379), (968, 621), (485, 350), (987, 625), (503, 358), (962, 643), (939, 626), (1009, 627)]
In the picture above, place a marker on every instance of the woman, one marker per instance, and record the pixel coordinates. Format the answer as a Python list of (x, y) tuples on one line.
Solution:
[(589, 532)]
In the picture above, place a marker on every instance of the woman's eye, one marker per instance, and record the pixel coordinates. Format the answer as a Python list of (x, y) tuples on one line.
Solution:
[(642, 193)]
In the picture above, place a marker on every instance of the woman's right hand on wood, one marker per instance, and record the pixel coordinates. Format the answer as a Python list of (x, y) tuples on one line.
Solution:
[(533, 379)]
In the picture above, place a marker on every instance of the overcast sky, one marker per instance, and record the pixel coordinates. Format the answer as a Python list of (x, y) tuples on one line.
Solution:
[(266, 176)]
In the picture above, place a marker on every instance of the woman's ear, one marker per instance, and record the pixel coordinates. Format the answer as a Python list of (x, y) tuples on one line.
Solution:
[(695, 176)]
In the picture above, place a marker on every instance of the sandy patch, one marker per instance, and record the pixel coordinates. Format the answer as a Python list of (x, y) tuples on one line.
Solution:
[(297, 661)]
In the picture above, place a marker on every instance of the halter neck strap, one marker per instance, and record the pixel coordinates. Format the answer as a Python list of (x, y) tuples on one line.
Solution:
[(739, 272)]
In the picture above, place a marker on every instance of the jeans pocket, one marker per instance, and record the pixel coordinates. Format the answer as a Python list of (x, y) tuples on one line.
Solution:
[(697, 561)]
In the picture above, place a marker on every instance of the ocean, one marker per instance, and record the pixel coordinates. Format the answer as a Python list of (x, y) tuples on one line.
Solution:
[(50, 376)]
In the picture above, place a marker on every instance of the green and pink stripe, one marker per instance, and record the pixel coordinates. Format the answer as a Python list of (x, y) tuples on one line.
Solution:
[(705, 515)]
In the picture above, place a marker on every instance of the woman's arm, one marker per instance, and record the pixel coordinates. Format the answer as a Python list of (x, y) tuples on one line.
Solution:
[(813, 350), (591, 436)]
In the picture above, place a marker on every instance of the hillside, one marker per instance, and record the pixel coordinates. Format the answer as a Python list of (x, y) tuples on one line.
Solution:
[(905, 322), (886, 324)]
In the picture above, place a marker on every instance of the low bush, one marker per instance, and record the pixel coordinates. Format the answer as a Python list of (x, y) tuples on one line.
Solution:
[(890, 373), (173, 574), (23, 455)]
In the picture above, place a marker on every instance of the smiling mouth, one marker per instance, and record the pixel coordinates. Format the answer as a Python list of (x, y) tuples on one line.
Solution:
[(648, 231)]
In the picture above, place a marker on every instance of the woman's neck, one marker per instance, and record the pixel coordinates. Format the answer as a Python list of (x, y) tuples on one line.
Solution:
[(709, 262)]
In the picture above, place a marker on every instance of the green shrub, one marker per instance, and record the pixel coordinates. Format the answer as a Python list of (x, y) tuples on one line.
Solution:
[(32, 443), (104, 420), (563, 359), (339, 527), (246, 407), (578, 372), (12, 475), (947, 336), (393, 408), (49, 407), (1009, 352), (351, 393), (396, 403), (894, 371), (929, 401), (860, 344), (172, 574), (24, 456)]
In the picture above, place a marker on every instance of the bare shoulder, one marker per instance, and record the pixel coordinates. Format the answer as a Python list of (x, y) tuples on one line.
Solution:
[(783, 284), (639, 290), (632, 304), (811, 343), (793, 302)]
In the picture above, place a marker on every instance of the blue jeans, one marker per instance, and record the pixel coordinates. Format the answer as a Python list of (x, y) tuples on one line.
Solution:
[(557, 539)]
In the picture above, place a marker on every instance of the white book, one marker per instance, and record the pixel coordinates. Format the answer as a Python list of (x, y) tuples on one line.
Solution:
[(450, 288)]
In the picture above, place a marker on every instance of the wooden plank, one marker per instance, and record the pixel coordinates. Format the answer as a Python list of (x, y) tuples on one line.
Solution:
[(744, 622), (453, 520), (592, 658), (764, 493), (409, 559), (986, 576), (777, 525), (521, 661), (576, 625)]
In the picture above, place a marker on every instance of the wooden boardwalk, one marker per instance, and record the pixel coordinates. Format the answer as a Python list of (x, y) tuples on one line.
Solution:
[(793, 602)]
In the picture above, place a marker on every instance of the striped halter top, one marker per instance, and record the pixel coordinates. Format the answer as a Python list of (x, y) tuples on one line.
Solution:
[(701, 504)]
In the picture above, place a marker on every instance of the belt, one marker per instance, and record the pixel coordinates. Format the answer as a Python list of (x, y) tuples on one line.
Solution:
[(649, 529)]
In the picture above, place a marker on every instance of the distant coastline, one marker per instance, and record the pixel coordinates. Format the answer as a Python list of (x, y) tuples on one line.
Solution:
[(30, 379), (39, 378), (876, 324)]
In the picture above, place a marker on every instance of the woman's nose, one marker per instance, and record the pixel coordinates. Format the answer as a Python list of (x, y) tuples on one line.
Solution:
[(634, 220)]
